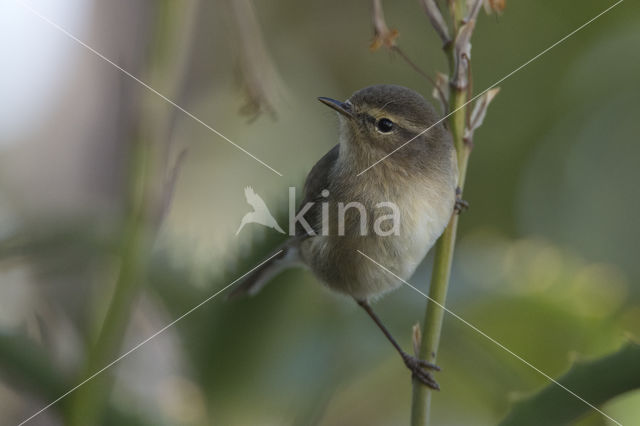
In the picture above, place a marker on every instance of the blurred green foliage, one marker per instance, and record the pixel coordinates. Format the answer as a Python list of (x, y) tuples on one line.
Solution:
[(595, 381)]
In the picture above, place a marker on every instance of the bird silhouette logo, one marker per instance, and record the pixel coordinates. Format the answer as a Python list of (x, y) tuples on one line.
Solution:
[(260, 213)]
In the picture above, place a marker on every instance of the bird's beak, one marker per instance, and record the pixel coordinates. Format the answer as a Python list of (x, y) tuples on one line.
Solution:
[(342, 107)]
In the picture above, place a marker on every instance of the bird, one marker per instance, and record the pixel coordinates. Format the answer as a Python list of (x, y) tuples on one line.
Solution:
[(260, 213), (384, 158)]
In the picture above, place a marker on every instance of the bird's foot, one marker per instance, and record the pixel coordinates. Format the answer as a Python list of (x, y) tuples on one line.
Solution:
[(420, 370), (461, 205)]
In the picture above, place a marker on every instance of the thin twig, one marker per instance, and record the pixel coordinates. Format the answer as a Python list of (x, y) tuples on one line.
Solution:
[(418, 69), (437, 21)]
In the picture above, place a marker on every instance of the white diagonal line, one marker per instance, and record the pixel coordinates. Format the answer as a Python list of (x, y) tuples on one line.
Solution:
[(136, 347), (476, 329), (495, 84), (145, 85)]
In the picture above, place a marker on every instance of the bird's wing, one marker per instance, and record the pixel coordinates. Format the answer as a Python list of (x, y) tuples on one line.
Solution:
[(254, 200), (317, 180)]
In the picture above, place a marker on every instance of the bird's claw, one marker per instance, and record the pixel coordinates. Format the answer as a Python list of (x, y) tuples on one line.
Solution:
[(419, 370), (461, 205)]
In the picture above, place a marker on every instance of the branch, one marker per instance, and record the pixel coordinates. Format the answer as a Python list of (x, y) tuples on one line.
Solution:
[(383, 36), (260, 79), (439, 92), (462, 56), (474, 8), (437, 21), (459, 55), (479, 112)]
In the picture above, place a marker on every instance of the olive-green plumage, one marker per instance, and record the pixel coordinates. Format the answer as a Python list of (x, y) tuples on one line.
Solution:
[(420, 178)]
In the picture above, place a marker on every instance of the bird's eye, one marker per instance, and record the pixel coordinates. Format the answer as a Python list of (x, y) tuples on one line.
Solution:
[(384, 125)]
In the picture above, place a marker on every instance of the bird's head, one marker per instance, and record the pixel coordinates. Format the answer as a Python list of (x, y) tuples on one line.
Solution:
[(381, 118)]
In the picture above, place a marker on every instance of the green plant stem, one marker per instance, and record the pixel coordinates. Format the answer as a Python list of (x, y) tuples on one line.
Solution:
[(86, 406), (434, 314)]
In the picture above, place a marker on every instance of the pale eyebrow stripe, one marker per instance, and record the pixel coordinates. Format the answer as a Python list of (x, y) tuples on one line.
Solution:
[(377, 110), (408, 125)]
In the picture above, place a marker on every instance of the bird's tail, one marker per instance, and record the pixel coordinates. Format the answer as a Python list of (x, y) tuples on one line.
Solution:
[(286, 257)]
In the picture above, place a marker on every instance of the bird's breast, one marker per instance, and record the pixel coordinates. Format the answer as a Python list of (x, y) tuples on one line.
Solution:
[(422, 211)]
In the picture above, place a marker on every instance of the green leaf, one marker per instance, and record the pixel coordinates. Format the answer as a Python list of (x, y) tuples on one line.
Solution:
[(596, 381)]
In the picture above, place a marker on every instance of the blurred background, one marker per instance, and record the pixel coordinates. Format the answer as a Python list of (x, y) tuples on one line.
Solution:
[(118, 211)]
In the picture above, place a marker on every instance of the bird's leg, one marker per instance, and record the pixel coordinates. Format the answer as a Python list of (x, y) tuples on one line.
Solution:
[(418, 367), (461, 205)]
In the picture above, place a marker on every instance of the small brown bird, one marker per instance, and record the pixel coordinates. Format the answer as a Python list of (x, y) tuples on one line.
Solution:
[(393, 213)]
